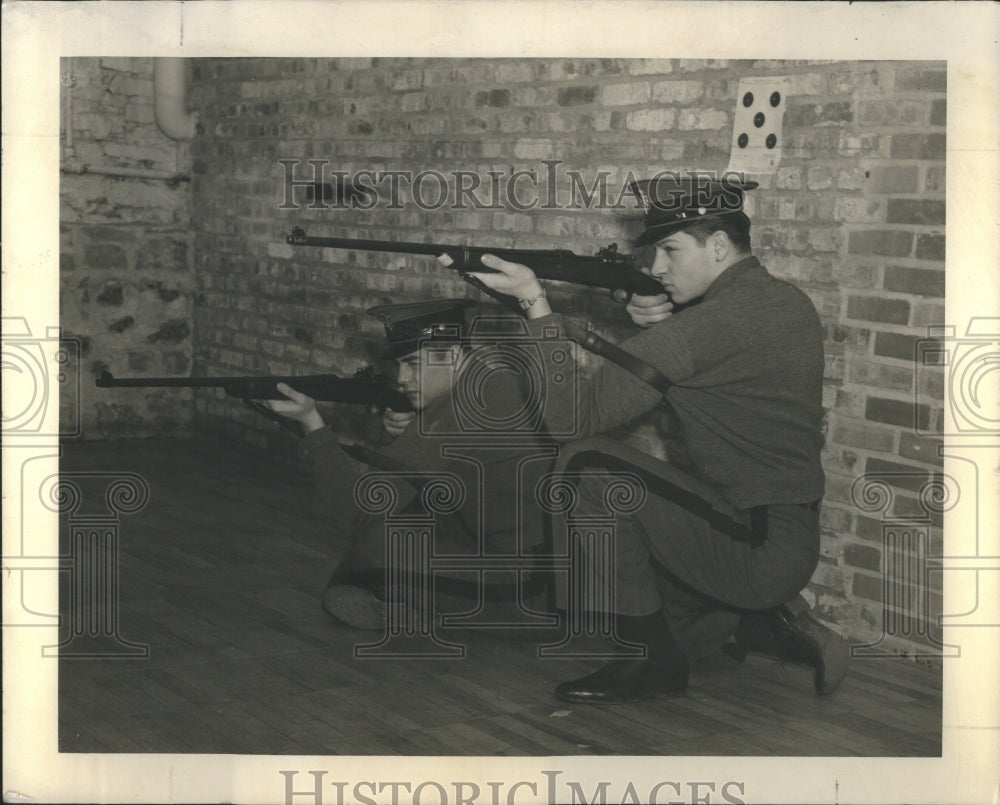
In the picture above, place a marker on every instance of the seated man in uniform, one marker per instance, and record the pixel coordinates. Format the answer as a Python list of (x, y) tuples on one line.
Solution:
[(428, 342), (732, 521)]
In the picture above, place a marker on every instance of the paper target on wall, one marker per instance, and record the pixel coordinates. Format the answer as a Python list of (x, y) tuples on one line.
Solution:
[(757, 139)]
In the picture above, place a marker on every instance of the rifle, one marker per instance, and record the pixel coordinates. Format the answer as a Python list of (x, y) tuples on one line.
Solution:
[(364, 388), (607, 269)]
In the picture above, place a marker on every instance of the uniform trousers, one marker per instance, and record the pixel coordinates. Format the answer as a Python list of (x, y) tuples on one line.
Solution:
[(685, 551)]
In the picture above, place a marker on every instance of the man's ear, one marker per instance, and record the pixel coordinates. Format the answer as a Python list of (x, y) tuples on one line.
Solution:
[(720, 244)]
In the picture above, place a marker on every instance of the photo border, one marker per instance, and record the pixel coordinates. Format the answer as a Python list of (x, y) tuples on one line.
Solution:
[(36, 35)]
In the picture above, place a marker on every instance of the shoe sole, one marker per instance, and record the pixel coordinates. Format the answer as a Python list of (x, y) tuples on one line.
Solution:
[(356, 607)]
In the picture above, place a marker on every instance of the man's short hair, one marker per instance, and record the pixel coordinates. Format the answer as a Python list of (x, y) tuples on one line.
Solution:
[(736, 225)]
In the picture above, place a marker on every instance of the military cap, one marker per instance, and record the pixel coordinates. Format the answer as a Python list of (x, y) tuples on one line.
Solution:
[(674, 201), (409, 323)]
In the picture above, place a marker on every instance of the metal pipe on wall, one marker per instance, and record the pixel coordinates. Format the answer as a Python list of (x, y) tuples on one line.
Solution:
[(169, 99), (172, 118)]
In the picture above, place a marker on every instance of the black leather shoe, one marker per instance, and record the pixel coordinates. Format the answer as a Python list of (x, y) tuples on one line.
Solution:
[(797, 638), (622, 681)]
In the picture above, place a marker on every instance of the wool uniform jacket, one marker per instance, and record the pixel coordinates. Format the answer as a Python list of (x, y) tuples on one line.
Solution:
[(745, 405)]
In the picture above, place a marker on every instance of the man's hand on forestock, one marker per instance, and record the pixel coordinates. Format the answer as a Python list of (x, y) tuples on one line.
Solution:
[(514, 280), (298, 407)]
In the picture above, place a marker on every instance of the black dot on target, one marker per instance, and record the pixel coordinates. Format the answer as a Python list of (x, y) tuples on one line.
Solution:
[(742, 140), (775, 98), (771, 141), (758, 119), (748, 99)]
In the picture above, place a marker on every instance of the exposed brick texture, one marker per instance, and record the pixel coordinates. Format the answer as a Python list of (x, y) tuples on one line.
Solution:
[(917, 146), (881, 242), (878, 309), (903, 413), (127, 286), (855, 216), (923, 282)]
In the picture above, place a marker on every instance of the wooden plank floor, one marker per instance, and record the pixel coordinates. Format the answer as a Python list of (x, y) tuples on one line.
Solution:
[(221, 573)]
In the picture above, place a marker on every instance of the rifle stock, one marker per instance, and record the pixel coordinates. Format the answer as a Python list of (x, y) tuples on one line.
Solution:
[(607, 269), (364, 388)]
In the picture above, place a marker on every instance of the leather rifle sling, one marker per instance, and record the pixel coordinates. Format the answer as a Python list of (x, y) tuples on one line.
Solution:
[(756, 533), (592, 342)]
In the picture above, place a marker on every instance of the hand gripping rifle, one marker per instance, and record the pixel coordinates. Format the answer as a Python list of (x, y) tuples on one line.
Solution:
[(607, 269), (365, 388)]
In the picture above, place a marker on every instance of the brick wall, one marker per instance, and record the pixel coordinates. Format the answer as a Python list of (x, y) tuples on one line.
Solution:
[(854, 216), (127, 288)]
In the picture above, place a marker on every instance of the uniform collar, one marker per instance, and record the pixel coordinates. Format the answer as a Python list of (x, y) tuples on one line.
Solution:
[(732, 274)]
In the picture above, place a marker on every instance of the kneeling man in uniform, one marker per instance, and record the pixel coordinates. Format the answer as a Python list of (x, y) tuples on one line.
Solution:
[(729, 531)]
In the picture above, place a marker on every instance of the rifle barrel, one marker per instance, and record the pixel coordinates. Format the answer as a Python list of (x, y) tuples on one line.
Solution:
[(106, 381), (325, 388), (300, 238), (603, 271)]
